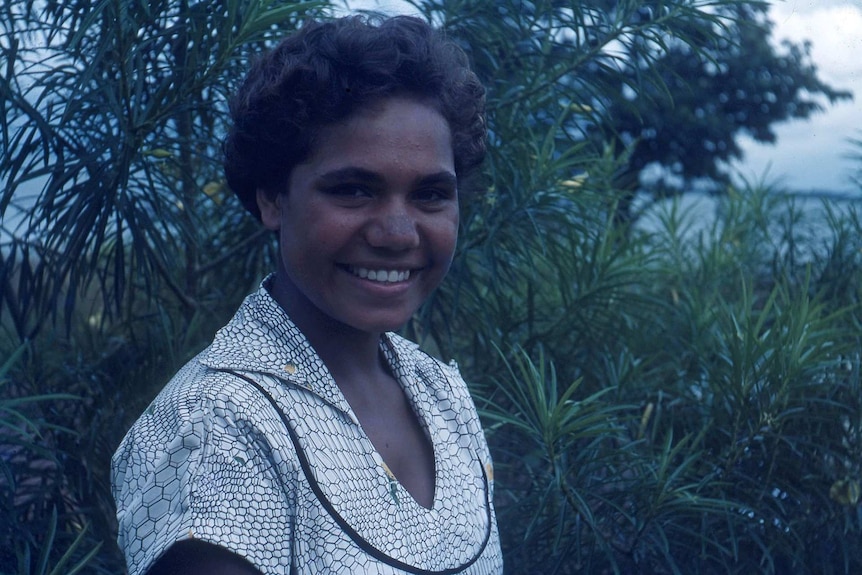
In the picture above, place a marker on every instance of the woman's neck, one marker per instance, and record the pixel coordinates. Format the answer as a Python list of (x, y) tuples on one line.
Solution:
[(348, 353)]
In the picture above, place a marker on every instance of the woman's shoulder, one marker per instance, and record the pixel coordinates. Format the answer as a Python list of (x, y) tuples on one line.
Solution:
[(198, 398), (197, 386)]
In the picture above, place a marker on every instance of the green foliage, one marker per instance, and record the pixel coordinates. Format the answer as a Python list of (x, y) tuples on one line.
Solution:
[(713, 422), (112, 114), (30, 483), (61, 567)]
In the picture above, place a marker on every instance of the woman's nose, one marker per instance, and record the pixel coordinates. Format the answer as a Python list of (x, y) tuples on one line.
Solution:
[(394, 228)]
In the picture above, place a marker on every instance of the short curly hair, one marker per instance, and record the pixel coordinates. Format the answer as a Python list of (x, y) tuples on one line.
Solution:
[(328, 70)]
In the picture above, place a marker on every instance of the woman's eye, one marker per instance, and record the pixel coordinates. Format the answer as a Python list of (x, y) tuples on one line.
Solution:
[(349, 192), (432, 195)]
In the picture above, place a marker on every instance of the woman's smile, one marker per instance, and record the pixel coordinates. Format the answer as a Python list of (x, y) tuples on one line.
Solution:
[(380, 275)]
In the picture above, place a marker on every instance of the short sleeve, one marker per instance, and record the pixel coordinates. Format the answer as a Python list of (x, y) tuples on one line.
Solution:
[(203, 468)]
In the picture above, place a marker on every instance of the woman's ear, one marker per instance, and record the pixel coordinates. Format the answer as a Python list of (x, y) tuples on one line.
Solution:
[(270, 209)]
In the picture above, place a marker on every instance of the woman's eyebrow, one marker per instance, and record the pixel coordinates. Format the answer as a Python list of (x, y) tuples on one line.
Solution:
[(352, 173), (444, 177)]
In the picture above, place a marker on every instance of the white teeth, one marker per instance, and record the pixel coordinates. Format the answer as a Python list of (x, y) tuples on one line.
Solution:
[(385, 276)]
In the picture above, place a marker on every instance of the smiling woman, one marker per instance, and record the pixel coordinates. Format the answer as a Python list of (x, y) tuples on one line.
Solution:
[(308, 437)]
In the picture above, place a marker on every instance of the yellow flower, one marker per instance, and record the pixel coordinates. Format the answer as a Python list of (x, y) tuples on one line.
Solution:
[(393, 484), (575, 182), (160, 153), (214, 190), (845, 492)]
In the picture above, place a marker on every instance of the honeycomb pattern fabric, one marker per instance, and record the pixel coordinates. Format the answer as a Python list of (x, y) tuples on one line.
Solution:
[(253, 447)]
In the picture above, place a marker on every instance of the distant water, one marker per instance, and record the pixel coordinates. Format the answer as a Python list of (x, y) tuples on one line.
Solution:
[(809, 211)]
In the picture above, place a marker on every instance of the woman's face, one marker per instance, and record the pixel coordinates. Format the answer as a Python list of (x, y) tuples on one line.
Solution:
[(369, 222)]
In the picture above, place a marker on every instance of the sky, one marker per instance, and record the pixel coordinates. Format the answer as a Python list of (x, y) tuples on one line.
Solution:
[(811, 155), (808, 155)]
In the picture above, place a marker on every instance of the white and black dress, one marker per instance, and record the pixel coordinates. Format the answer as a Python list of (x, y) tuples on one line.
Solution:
[(252, 447)]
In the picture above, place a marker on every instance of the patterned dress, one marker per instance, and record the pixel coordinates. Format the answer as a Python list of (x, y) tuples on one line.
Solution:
[(252, 447)]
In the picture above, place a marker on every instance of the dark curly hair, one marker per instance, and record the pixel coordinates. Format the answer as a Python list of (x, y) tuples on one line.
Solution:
[(325, 72)]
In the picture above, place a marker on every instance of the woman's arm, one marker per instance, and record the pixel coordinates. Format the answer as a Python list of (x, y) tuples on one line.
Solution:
[(194, 557)]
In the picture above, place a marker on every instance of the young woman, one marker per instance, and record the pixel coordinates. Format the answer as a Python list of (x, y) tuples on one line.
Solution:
[(308, 438)]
